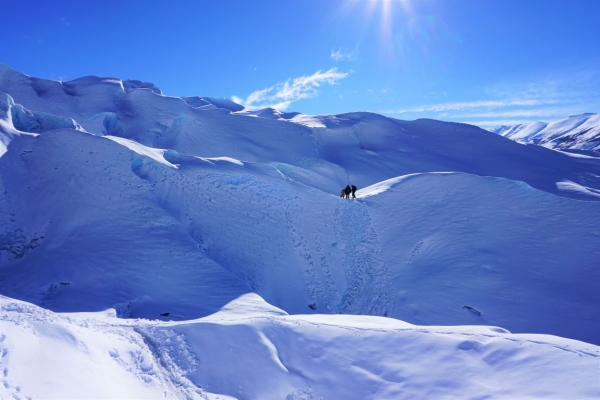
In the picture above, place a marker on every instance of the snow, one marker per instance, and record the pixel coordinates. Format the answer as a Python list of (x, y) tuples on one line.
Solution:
[(154, 246), (227, 159), (308, 120), (386, 185), (155, 154), (251, 350), (581, 132), (569, 186), (7, 128)]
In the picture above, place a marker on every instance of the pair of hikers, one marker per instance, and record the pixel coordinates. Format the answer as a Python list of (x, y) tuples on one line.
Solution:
[(345, 193)]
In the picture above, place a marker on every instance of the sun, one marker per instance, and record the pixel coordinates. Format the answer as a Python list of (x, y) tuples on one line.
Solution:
[(380, 12), (410, 35)]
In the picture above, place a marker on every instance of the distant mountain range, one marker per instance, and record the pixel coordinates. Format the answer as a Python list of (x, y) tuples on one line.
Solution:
[(580, 132)]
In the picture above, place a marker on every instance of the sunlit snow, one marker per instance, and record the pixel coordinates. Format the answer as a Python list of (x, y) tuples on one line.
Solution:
[(160, 247)]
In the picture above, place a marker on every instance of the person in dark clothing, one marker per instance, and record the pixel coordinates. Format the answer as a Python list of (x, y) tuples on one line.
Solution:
[(353, 191), (347, 191)]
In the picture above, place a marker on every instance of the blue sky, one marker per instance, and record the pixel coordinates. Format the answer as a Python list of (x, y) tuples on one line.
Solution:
[(487, 62)]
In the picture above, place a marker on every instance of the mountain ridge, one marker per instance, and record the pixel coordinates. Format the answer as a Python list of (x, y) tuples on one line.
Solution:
[(577, 132)]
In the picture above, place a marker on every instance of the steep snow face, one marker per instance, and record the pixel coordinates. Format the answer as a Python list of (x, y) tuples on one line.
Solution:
[(37, 122), (7, 128), (251, 350), (12, 114), (86, 100), (579, 132)]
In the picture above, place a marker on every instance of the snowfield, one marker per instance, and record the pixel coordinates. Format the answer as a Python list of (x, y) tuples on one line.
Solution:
[(154, 246)]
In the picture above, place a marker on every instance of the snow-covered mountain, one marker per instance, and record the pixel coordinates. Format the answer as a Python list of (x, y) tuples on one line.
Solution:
[(166, 210), (578, 132)]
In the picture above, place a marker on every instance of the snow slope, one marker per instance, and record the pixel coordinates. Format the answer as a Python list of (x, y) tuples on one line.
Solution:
[(179, 197), (578, 132), (250, 350), (158, 231), (114, 196)]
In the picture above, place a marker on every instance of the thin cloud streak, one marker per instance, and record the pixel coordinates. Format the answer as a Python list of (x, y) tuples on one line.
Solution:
[(534, 113), (470, 105), (281, 95), (341, 55), (551, 98), (497, 123)]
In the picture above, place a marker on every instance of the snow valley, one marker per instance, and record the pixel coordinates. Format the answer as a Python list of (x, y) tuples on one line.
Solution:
[(154, 246)]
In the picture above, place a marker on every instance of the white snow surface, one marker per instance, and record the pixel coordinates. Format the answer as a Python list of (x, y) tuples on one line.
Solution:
[(250, 350), (233, 269), (578, 132)]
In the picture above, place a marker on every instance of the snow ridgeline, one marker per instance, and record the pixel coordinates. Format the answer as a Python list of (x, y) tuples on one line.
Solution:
[(251, 350)]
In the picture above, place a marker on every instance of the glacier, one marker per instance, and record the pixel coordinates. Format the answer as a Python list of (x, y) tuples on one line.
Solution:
[(156, 246)]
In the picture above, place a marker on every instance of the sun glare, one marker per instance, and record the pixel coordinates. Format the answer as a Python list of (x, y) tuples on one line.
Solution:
[(381, 12), (407, 36)]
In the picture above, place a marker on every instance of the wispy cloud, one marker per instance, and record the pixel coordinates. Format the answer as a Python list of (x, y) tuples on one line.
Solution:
[(64, 21), (344, 55), (467, 105), (547, 98), (495, 123), (536, 112), (281, 95)]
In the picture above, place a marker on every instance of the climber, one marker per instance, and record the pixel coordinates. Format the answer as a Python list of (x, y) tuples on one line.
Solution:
[(347, 191)]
